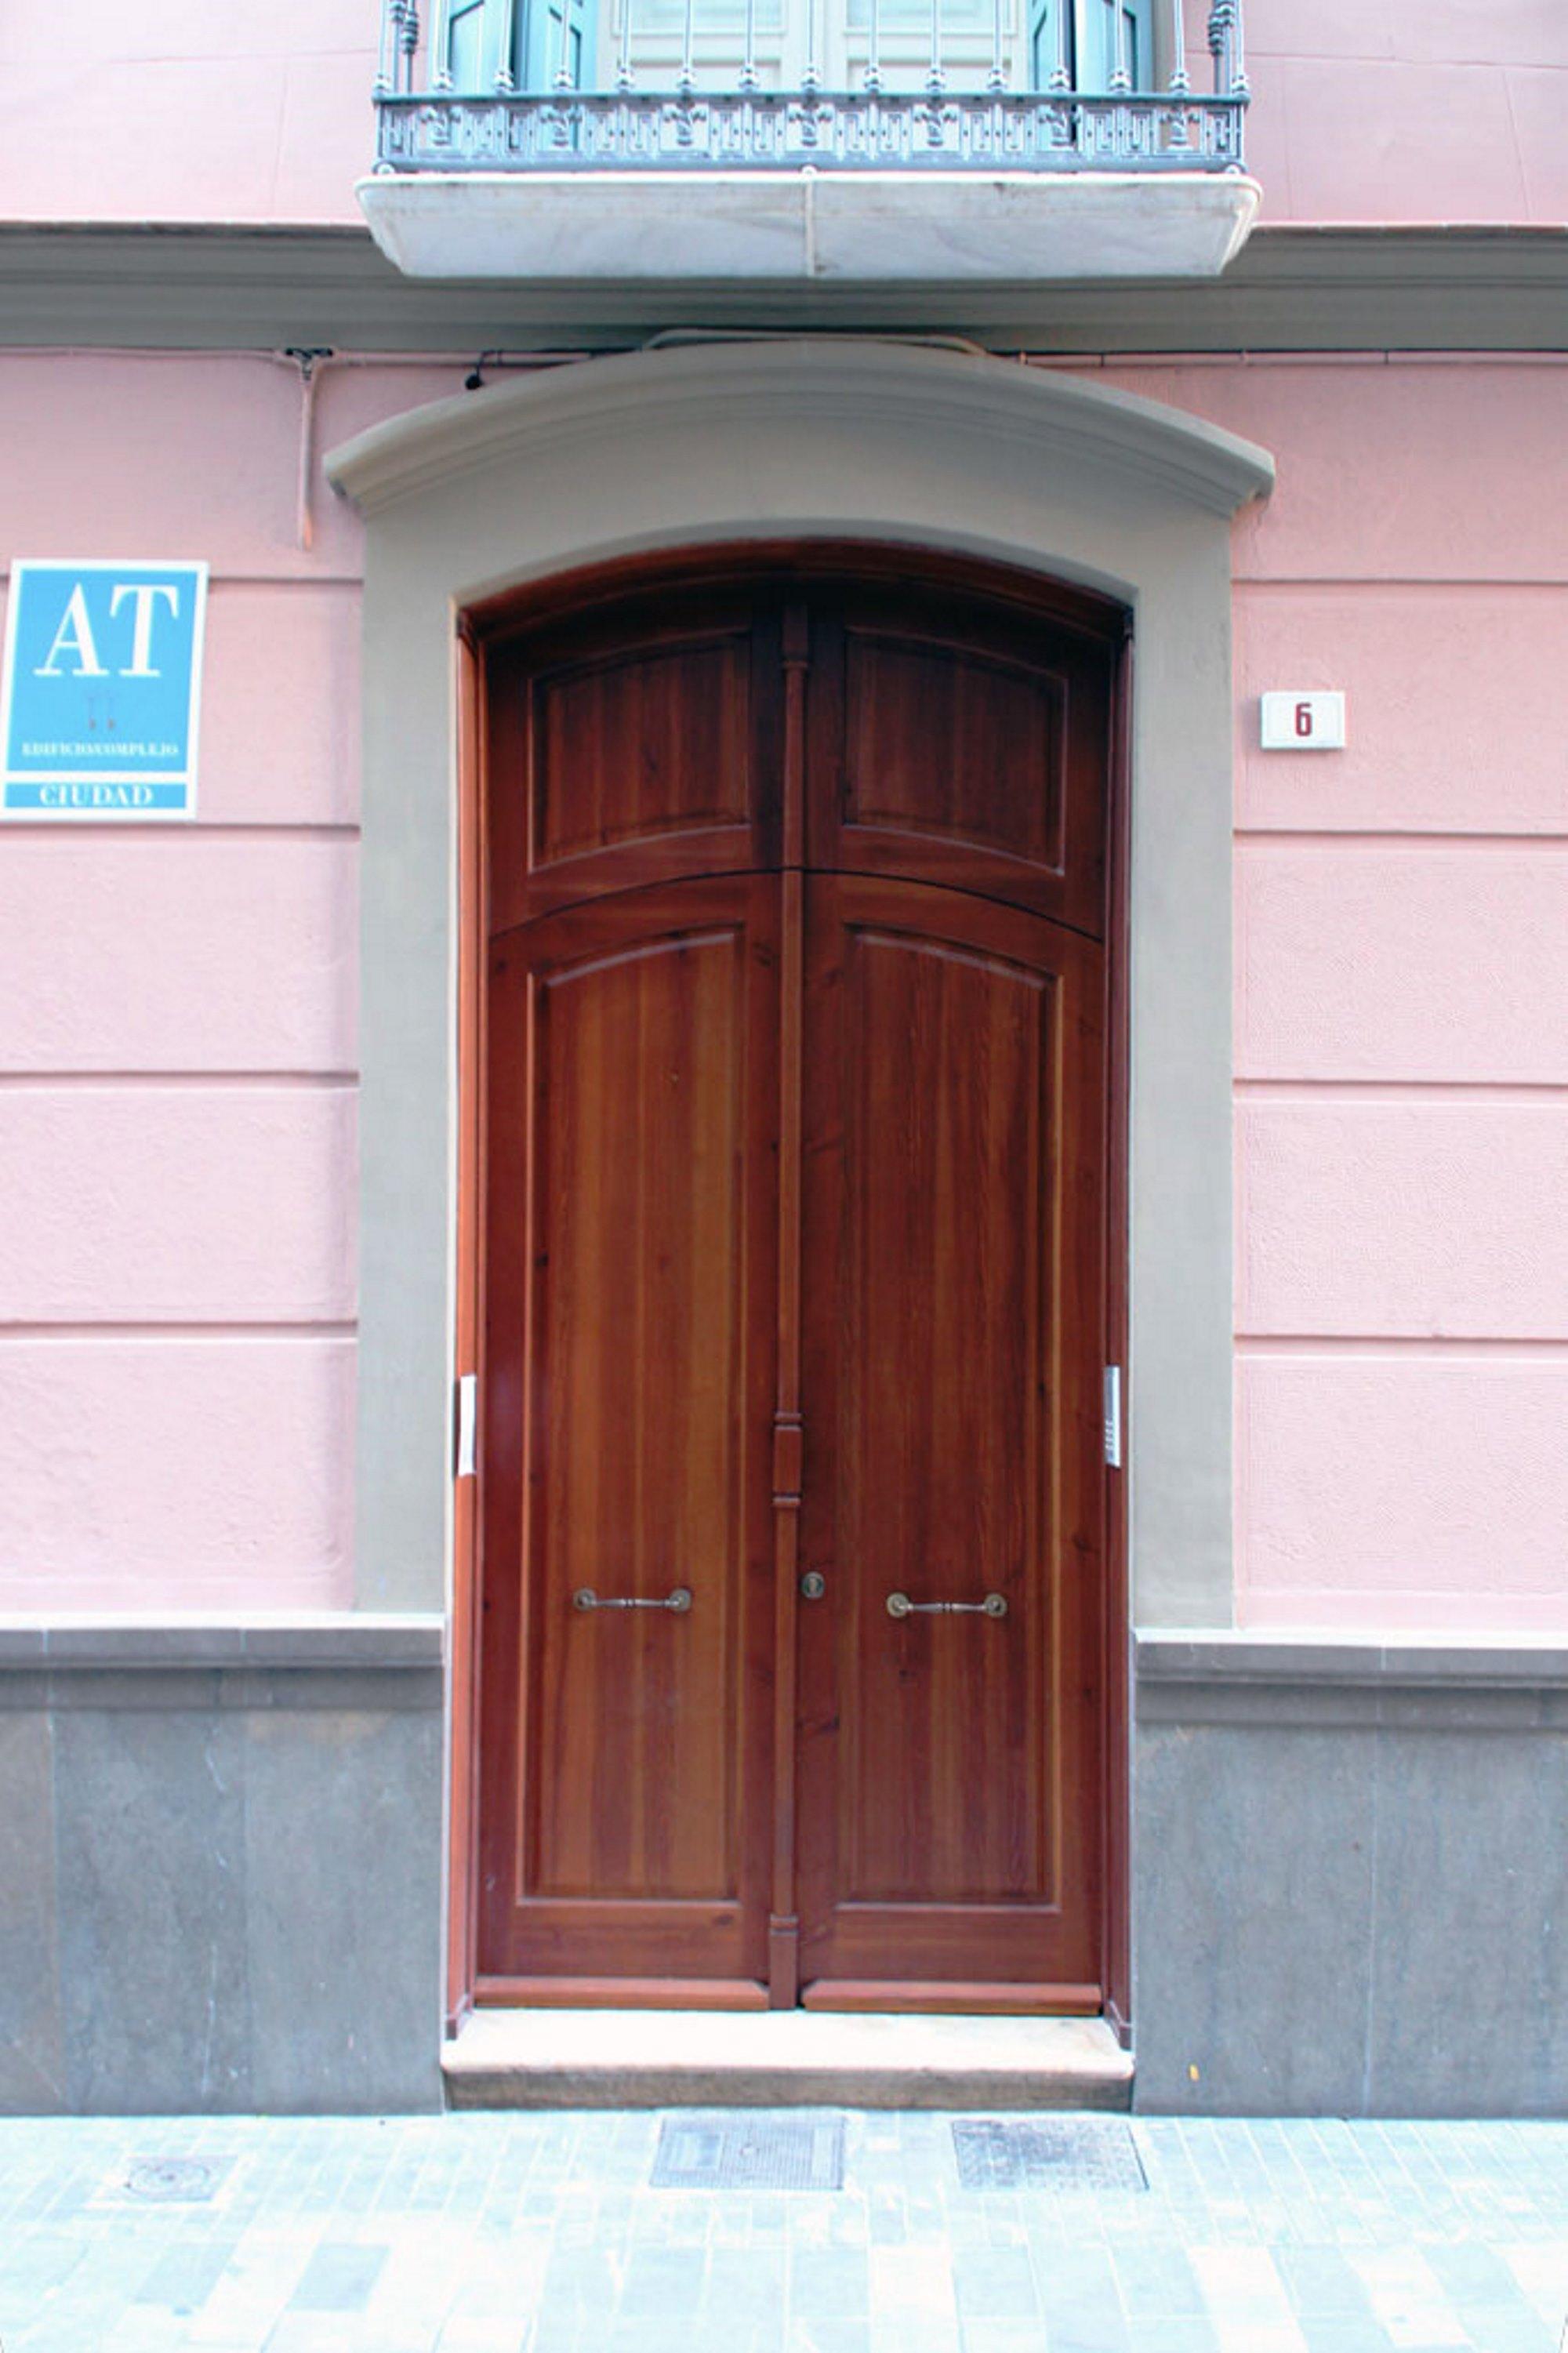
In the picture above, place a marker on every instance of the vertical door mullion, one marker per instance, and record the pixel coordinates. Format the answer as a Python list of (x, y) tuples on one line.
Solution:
[(788, 1430)]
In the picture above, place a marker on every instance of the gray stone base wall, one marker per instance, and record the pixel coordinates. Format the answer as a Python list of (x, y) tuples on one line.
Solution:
[(1351, 1878), (220, 1867), (221, 1873)]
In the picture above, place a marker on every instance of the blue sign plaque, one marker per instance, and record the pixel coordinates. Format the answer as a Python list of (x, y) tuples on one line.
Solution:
[(104, 665)]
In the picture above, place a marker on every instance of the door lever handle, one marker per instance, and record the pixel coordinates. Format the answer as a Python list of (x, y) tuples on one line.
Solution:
[(994, 1606), (678, 1600)]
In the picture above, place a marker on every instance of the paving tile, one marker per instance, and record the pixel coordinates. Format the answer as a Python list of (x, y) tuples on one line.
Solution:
[(640, 2334), (1088, 2333), (1508, 2328), (1541, 2271), (185, 2275), (494, 2335), (1001, 2336), (1157, 2287), (1321, 2282), (664, 2282), (34, 2267), (1076, 2276), (994, 2284), (1344, 2332), (905, 2335), (254, 2287), (143, 2328), (828, 2283), (826, 2335), (912, 2284), (316, 2332), (746, 2284), (1186, 2333), (1250, 2336)]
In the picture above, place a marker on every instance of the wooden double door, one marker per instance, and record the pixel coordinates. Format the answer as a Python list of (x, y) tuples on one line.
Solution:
[(793, 1630)]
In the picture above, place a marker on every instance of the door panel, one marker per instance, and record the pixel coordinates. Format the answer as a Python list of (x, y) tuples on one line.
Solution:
[(944, 745), (633, 745), (948, 1761), (961, 745), (633, 1088), (643, 745)]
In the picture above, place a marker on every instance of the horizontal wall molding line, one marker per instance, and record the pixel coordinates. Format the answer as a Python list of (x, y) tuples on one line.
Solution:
[(1308, 1681), (1396, 1091), (294, 574), (1483, 582), (225, 1637), (303, 574), (1395, 1344), (253, 291), (341, 1661), (1374, 584), (207, 829), (1318, 837), (1286, 355), (222, 582), (329, 1328), (202, 1082)]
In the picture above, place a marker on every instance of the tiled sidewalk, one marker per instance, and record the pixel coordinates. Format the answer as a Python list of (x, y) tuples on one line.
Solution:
[(543, 2235)]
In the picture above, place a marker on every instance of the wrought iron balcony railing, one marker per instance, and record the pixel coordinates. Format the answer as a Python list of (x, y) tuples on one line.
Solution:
[(1066, 86)]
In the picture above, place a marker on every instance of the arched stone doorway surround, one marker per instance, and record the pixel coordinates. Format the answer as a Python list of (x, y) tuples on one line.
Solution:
[(773, 439)]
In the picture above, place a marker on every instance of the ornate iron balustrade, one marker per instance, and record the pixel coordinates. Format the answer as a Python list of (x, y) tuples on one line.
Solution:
[(426, 123)]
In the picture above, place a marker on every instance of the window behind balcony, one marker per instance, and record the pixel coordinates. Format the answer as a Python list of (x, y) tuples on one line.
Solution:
[(485, 46), (1082, 35), (540, 44)]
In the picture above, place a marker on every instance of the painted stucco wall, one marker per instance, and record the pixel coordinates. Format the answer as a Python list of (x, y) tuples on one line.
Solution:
[(1403, 111), (1363, 110), (1402, 995), (177, 1047), (178, 1053)]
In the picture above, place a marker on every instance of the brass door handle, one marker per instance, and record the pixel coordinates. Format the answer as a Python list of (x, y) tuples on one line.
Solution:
[(994, 1606), (678, 1600)]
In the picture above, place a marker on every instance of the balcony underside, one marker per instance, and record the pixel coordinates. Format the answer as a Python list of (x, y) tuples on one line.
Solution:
[(809, 226)]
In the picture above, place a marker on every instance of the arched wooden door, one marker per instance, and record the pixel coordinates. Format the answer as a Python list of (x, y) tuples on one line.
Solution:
[(794, 1579)]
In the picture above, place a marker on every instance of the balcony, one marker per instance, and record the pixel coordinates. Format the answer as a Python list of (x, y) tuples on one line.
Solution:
[(816, 140)]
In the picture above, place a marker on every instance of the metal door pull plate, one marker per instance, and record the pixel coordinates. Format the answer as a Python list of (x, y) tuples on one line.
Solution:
[(994, 1606), (678, 1600)]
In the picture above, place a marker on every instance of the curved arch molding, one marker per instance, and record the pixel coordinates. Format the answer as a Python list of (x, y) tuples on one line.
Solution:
[(765, 440)]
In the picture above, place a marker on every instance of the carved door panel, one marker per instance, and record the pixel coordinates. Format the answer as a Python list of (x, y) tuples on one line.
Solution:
[(961, 743), (626, 1725), (950, 1671)]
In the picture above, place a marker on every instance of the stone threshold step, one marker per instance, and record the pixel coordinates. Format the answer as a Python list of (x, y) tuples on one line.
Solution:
[(749, 2059)]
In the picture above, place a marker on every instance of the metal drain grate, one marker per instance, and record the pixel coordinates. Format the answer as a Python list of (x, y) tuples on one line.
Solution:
[(749, 2151), (173, 2181), (1060, 2153)]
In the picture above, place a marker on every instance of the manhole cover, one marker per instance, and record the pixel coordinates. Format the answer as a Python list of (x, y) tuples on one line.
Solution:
[(1062, 2153), (171, 2180), (747, 2151)]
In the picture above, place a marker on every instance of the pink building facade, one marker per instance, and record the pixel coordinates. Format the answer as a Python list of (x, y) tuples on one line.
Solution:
[(236, 1569)]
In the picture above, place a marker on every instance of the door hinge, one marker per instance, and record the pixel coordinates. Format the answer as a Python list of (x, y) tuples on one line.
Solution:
[(1113, 1416), (466, 1425)]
